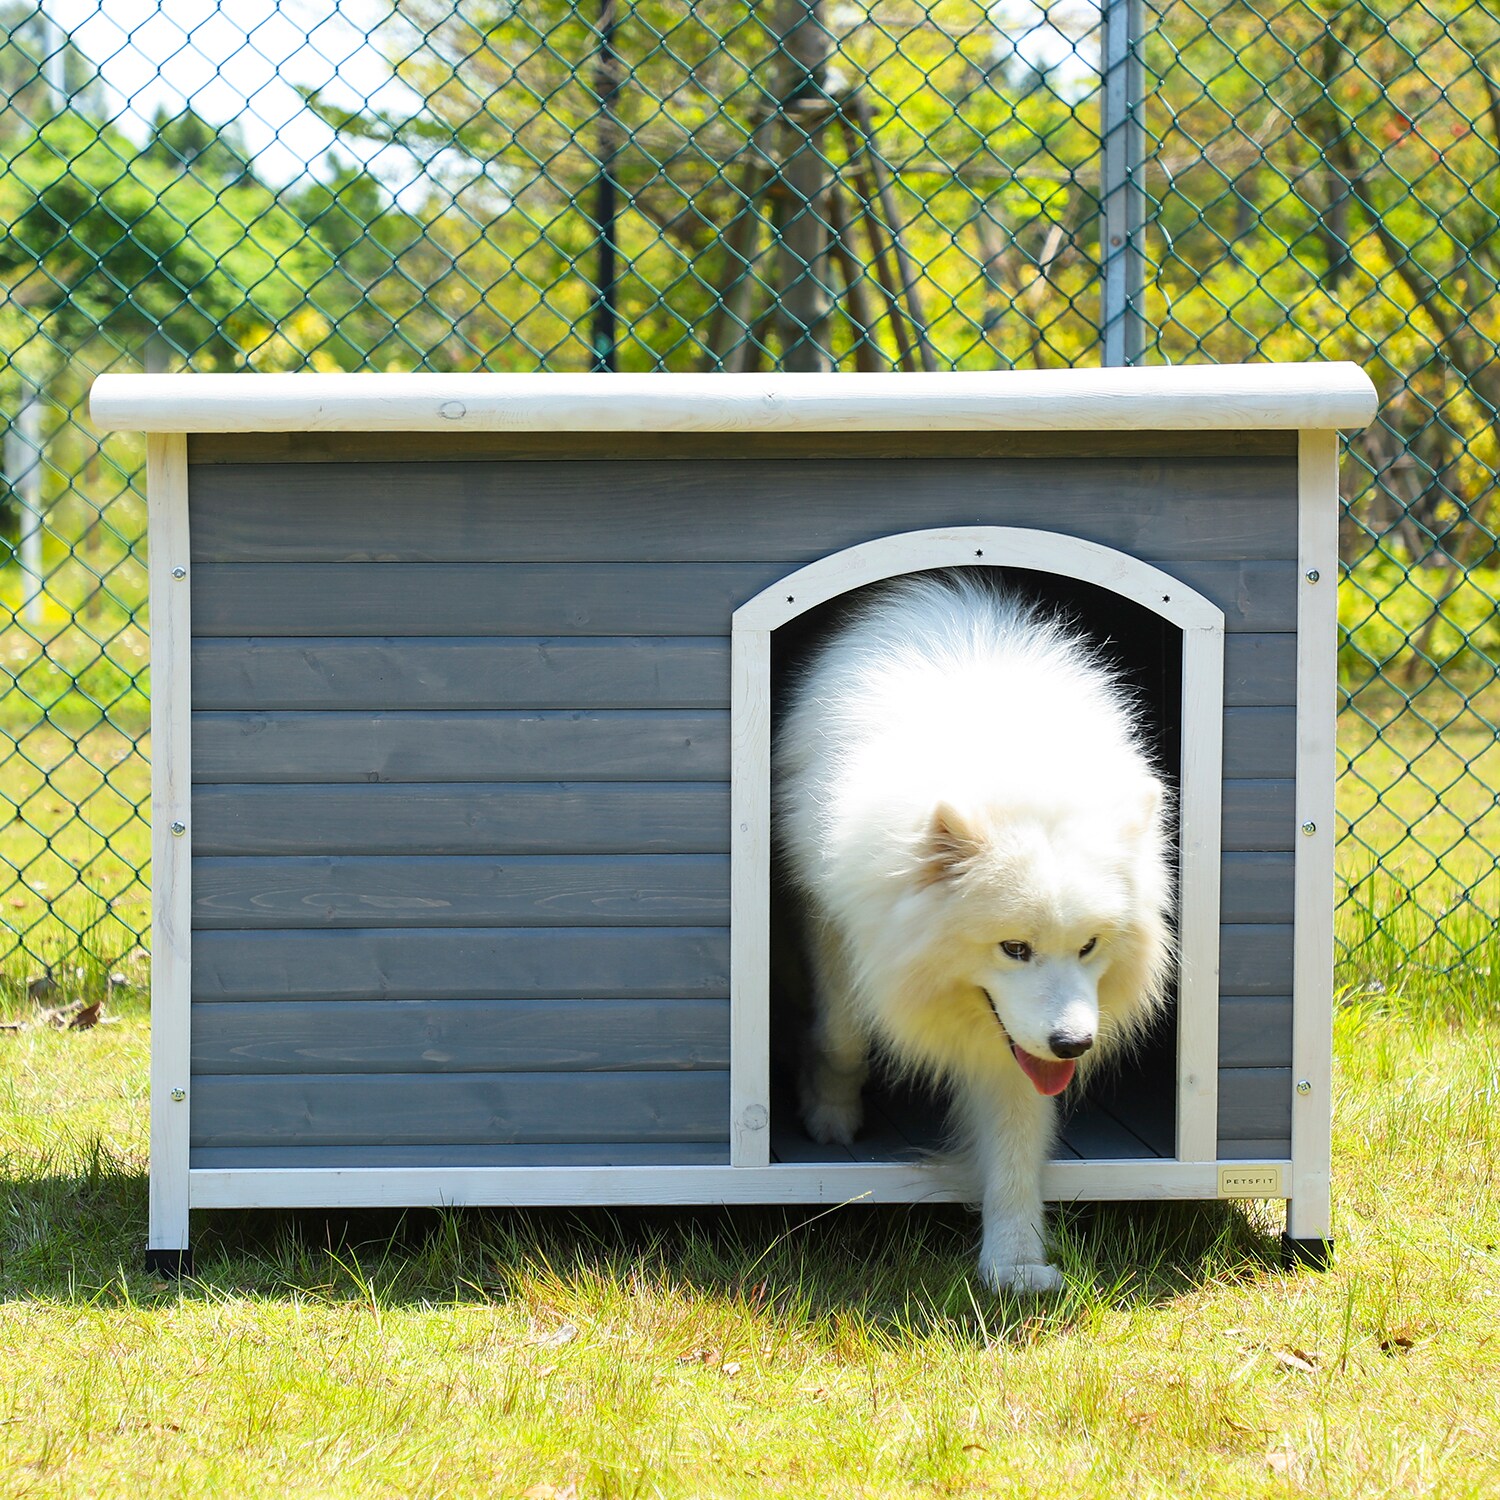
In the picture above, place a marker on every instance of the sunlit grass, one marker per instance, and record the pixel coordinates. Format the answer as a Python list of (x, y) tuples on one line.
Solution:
[(712, 1352)]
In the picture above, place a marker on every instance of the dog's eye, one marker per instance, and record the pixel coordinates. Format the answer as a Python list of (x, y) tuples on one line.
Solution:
[(1018, 951), (1088, 947)]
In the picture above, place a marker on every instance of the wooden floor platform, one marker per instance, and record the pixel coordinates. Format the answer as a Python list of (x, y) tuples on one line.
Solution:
[(904, 1126)]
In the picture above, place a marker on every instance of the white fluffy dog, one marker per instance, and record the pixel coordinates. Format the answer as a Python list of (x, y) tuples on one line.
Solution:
[(979, 839)]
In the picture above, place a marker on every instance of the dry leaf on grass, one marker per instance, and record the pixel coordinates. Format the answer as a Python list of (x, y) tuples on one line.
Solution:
[(1296, 1359), (1407, 1336), (550, 1492)]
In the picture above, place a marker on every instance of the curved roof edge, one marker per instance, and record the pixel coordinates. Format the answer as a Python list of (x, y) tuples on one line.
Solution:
[(1223, 397)]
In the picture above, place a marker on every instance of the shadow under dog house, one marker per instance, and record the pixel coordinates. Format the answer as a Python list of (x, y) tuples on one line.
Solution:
[(463, 696)]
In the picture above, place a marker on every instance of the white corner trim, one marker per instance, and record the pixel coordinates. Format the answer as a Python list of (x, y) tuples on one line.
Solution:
[(750, 901), (1200, 802), (1200, 795), (1308, 1212), (1213, 397), (171, 865)]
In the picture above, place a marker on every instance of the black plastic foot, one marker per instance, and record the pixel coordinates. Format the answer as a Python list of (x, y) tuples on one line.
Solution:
[(173, 1264), (1315, 1254)]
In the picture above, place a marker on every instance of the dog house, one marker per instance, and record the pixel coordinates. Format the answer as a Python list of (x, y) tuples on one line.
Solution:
[(463, 696)]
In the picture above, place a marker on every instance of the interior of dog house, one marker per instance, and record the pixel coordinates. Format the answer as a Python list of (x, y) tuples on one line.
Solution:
[(464, 696)]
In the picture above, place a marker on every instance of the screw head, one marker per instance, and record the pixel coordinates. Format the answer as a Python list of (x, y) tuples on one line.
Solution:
[(179, 829), (178, 1095), (1309, 827), (1313, 575), (1303, 1086), (179, 574)]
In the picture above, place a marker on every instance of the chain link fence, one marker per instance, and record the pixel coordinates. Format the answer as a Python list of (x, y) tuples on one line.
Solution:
[(808, 184)]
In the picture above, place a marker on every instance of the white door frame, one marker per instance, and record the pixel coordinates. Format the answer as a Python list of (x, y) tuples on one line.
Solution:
[(1199, 797)]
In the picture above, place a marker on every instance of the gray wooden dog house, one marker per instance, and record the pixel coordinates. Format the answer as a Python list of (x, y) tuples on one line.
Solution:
[(463, 693)]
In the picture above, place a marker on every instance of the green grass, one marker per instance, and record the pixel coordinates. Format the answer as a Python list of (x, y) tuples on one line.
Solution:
[(713, 1352)]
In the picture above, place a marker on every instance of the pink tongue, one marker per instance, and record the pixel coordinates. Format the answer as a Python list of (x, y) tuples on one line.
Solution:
[(1048, 1077)]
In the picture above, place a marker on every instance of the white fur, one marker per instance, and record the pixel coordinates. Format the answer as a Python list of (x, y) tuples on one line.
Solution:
[(954, 772)]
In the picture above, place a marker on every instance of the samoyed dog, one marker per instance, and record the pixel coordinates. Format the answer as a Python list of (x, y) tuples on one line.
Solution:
[(979, 841)]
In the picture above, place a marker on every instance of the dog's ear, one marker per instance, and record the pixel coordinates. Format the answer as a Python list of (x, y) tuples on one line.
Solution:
[(950, 844)]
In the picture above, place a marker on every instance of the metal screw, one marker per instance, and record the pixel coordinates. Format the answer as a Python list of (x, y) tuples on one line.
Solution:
[(179, 829), (178, 1095), (1309, 827), (1303, 1086), (1313, 575), (179, 574)]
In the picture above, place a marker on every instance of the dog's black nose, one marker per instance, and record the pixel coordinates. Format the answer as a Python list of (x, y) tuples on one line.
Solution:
[(1069, 1044)]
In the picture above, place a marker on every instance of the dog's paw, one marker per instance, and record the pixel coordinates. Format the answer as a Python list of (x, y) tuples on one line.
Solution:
[(832, 1123), (1028, 1279)]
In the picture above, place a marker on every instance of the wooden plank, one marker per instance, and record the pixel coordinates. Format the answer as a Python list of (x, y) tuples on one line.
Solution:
[(473, 598), (416, 818), (750, 900), (791, 1144), (571, 1155), (1260, 670), (385, 600), (1260, 743), (1255, 596), (323, 891), (1199, 874), (171, 895), (463, 672), (1256, 887), (1255, 1104), (1260, 814), (1065, 1180), (669, 745), (1094, 1134), (506, 963), (480, 447), (461, 1036), (1231, 397), (1271, 1148), (1255, 959), (320, 1109), (1310, 1203), (717, 510), (1255, 1031)]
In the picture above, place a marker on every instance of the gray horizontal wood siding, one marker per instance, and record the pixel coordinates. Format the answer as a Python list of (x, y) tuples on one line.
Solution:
[(455, 818), (463, 672), (536, 890), (1256, 1104), (593, 890), (609, 745), (488, 963), (341, 1109), (585, 599), (461, 761), (311, 673), (449, 1154), (713, 510), (461, 1036)]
